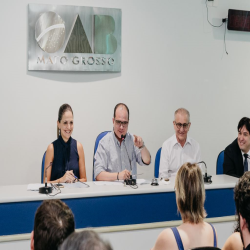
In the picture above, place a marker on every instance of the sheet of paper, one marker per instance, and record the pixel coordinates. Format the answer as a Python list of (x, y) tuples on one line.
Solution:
[(109, 183), (75, 185), (35, 186), (142, 181)]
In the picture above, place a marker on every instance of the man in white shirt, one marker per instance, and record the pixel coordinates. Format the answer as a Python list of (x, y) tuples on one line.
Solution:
[(179, 148)]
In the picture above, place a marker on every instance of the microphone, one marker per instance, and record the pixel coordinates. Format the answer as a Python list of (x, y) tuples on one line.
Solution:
[(123, 139), (46, 190), (207, 178), (129, 181)]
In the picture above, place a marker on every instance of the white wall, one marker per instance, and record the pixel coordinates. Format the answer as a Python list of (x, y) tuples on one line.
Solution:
[(171, 58)]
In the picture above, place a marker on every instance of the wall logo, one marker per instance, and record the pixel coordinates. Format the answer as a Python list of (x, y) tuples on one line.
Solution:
[(90, 41), (50, 32)]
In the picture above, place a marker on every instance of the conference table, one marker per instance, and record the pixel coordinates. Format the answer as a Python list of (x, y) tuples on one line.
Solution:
[(110, 205)]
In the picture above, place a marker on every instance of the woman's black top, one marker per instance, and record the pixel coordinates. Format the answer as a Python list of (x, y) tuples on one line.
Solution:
[(65, 158)]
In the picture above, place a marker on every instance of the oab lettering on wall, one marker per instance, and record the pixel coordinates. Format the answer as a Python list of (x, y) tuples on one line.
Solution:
[(74, 38), (63, 60)]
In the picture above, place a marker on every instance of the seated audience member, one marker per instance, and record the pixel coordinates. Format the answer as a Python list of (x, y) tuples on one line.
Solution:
[(190, 198), (234, 242), (54, 222), (236, 155), (116, 158), (241, 237), (179, 148), (66, 154), (85, 240)]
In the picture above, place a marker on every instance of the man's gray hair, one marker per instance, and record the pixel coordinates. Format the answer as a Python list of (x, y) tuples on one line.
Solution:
[(182, 111), (85, 240)]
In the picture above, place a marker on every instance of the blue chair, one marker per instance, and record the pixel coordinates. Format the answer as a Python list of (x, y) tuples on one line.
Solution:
[(42, 167), (99, 137), (219, 164), (157, 163)]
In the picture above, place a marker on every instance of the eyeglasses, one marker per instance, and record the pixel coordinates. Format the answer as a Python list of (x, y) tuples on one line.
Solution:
[(184, 125), (119, 123)]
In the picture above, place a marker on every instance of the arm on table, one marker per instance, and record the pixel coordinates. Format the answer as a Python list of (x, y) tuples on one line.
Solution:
[(106, 176)]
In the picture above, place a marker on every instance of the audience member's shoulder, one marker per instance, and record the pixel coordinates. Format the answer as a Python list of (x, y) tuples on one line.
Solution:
[(233, 242), (165, 240)]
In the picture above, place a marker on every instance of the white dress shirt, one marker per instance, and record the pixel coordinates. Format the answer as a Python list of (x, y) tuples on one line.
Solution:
[(173, 155), (248, 160)]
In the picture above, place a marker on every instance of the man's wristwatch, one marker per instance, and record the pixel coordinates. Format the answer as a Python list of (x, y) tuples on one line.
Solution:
[(118, 176), (143, 146)]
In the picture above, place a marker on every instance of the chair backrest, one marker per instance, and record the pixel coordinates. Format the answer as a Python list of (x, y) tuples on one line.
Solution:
[(98, 138), (157, 162), (42, 167), (219, 164), (206, 248)]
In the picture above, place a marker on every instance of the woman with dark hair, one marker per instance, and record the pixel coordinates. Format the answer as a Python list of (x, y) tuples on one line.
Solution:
[(66, 154), (242, 204), (190, 198)]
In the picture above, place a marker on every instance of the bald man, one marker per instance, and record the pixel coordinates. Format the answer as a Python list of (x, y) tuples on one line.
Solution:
[(179, 148)]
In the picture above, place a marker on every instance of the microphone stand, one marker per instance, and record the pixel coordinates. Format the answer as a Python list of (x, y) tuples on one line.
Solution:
[(207, 178), (46, 189), (129, 181)]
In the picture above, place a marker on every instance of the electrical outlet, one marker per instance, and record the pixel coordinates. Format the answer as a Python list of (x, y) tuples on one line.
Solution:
[(213, 3)]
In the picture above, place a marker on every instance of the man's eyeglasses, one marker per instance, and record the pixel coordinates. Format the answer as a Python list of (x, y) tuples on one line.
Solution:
[(184, 125), (119, 123)]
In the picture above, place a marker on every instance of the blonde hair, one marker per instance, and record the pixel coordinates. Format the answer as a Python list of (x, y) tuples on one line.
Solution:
[(190, 193)]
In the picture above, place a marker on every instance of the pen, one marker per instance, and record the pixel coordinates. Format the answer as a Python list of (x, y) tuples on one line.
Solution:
[(76, 178)]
